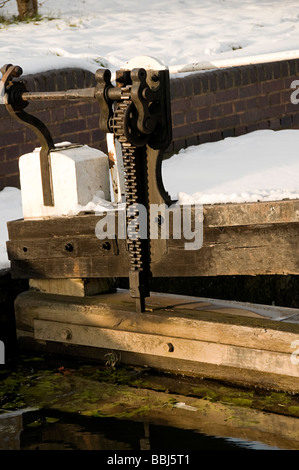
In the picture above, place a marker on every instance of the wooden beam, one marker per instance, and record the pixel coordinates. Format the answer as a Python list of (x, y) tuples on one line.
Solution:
[(238, 239), (251, 213), (246, 350), (241, 250)]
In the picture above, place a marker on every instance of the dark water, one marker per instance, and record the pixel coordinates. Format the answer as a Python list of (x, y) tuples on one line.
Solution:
[(47, 430)]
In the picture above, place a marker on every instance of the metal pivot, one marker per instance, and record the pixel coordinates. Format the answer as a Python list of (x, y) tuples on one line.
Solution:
[(11, 96)]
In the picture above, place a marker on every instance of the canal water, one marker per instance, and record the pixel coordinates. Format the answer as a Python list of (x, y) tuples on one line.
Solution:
[(62, 406), (45, 430)]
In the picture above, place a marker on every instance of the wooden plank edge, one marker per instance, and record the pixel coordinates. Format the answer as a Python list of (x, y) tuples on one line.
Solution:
[(104, 311), (235, 376)]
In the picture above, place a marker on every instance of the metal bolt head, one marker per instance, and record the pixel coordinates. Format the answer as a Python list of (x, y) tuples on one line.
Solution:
[(168, 347), (66, 334)]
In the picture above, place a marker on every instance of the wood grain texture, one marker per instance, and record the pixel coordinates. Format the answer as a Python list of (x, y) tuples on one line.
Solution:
[(238, 239)]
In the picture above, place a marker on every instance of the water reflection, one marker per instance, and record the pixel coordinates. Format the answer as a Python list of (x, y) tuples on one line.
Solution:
[(47, 430)]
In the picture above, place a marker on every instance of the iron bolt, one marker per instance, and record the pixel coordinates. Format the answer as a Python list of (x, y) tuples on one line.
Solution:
[(66, 334), (168, 347)]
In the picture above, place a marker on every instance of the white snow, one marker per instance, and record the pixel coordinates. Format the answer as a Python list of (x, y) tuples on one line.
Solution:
[(260, 166), (87, 33), (263, 165), (10, 209)]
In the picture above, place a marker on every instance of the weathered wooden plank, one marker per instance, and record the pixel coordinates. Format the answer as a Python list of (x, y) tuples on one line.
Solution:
[(238, 239), (116, 311), (242, 350), (261, 249), (160, 344), (73, 287), (217, 215), (54, 268), (251, 213), (51, 227), (246, 250), (63, 247)]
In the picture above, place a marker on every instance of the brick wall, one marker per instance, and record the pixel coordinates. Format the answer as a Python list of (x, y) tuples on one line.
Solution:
[(210, 106), (206, 107)]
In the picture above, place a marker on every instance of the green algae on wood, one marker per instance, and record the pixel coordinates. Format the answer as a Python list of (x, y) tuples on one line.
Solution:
[(42, 382)]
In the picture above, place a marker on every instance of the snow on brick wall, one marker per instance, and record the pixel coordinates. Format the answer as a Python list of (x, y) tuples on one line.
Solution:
[(206, 107)]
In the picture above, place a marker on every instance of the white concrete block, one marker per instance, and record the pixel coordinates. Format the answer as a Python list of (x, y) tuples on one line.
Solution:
[(77, 174)]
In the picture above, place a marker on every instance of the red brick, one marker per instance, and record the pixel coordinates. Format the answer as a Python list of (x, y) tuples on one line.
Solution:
[(97, 135), (192, 140), (286, 122), (251, 115), (13, 180), (227, 95), (84, 109), (188, 86), (240, 130), (74, 125), (274, 124), (10, 167), (204, 138), (286, 95), (204, 113), (12, 152), (179, 144), (252, 127), (92, 122), (208, 125), (274, 98), (181, 131), (228, 121), (221, 109), (181, 105), (250, 90), (57, 114), (178, 119), (239, 106), (251, 103), (193, 115), (12, 138), (71, 112), (6, 125), (291, 108), (288, 82), (274, 111), (272, 85), (84, 138), (215, 136), (176, 88), (199, 101), (296, 120), (263, 125), (262, 101)]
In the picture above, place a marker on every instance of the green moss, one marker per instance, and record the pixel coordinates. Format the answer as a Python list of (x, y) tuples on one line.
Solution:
[(205, 393), (294, 410), (237, 401), (34, 424), (274, 400), (50, 419), (116, 391), (145, 409)]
